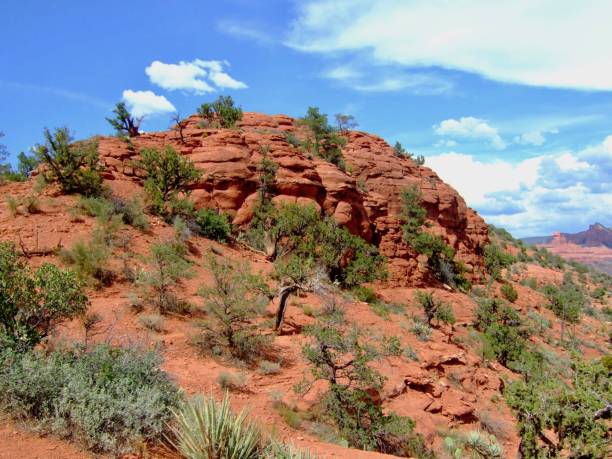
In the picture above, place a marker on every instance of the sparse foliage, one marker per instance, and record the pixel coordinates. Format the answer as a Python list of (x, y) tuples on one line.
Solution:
[(167, 269), (345, 123), (434, 310), (233, 303)]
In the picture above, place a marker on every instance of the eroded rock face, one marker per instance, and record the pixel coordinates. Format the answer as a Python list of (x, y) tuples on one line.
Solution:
[(366, 199)]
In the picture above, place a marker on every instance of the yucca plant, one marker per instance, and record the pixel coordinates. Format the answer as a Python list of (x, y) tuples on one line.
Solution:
[(205, 429)]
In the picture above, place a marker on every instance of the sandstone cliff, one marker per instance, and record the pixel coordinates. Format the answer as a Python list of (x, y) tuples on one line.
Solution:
[(365, 199)]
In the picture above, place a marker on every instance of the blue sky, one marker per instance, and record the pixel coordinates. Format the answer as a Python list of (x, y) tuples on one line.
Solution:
[(511, 104)]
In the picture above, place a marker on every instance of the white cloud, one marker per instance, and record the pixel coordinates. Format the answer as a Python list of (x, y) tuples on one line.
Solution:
[(445, 143), (244, 31), (540, 195), (468, 127), (218, 76), (197, 76), (385, 79), (555, 43), (536, 138), (145, 103)]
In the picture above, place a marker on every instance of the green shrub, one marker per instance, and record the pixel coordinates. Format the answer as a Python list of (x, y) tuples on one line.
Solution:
[(132, 212), (504, 334), (440, 256), (33, 302), (566, 301), (167, 269), (213, 225), (13, 205), (365, 294), (410, 354), (109, 399), (509, 292), (73, 165), (168, 175), (206, 429), (220, 113), (496, 259), (236, 298), (391, 346), (421, 330), (90, 261), (574, 413)]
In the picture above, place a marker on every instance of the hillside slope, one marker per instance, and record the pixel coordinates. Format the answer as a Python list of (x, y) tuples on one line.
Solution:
[(444, 376)]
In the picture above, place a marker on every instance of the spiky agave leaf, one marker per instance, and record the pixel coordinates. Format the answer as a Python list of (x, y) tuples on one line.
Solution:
[(206, 429)]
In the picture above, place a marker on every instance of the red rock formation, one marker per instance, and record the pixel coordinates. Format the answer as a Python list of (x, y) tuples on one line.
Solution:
[(365, 200)]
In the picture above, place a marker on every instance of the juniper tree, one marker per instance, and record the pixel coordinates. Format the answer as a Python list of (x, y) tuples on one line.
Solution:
[(345, 123), (168, 174), (124, 123)]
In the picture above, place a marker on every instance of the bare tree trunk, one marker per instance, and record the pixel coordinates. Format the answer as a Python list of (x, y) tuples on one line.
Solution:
[(282, 304)]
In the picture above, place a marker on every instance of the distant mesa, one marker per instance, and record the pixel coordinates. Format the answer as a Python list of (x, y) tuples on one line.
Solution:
[(597, 235), (592, 247)]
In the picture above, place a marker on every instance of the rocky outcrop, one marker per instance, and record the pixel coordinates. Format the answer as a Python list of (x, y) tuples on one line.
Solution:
[(366, 199)]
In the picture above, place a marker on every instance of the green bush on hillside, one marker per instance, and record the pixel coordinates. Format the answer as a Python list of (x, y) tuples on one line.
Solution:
[(504, 333), (213, 225), (74, 166), (236, 298), (168, 176), (578, 413), (342, 360), (496, 259), (220, 113), (32, 302)]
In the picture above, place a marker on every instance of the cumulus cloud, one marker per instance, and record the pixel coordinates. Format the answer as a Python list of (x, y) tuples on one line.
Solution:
[(523, 41), (146, 103), (198, 76), (535, 138), (563, 191), (468, 127)]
